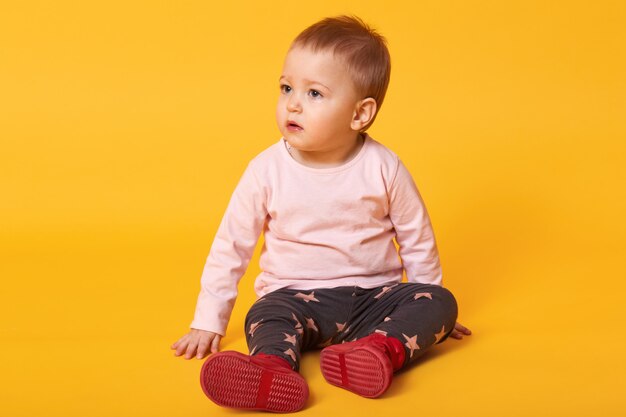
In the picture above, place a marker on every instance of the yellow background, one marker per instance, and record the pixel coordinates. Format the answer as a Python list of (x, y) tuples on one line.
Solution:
[(125, 126)]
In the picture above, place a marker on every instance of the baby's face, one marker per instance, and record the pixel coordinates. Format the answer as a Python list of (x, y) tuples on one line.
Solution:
[(317, 101)]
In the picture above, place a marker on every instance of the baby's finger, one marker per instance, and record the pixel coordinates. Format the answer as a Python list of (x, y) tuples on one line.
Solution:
[(175, 344), (191, 349), (462, 328), (202, 349), (456, 335), (182, 345), (216, 343)]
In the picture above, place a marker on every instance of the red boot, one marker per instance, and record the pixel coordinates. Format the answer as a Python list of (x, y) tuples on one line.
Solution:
[(365, 366), (260, 382)]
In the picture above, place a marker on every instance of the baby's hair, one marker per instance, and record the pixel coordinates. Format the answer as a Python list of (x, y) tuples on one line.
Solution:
[(362, 48)]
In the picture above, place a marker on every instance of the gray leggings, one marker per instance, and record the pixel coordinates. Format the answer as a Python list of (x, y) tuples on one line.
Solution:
[(287, 322)]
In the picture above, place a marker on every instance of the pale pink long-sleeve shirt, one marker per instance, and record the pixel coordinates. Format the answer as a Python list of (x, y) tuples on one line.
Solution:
[(323, 228)]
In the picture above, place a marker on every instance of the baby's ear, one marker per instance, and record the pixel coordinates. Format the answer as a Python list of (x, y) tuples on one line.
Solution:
[(364, 112)]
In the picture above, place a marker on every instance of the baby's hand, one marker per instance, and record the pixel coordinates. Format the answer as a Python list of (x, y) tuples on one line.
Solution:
[(459, 331), (196, 343)]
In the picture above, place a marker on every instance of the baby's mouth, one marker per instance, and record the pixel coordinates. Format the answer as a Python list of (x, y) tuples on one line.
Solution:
[(293, 126)]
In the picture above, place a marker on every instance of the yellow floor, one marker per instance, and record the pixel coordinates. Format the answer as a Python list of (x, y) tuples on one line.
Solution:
[(538, 347), (125, 125)]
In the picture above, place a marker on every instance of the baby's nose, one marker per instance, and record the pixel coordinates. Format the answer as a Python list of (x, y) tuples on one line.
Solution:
[(293, 103)]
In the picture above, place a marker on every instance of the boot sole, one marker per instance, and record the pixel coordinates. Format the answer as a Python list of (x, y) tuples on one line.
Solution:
[(364, 371), (231, 379)]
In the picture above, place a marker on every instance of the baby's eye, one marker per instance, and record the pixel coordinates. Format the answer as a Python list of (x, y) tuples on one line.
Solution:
[(315, 94), (285, 88)]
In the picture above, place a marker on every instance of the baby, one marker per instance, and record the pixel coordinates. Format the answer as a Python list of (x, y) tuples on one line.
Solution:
[(330, 200)]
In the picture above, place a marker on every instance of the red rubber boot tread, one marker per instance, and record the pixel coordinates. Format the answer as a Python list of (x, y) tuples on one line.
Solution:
[(232, 379), (361, 368)]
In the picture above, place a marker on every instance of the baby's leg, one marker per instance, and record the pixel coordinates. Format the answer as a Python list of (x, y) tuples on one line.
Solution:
[(390, 327), (278, 326), (419, 315), (286, 322)]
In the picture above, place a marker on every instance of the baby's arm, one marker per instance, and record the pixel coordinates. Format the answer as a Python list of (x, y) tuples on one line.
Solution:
[(414, 233), (415, 236), (227, 262), (197, 341)]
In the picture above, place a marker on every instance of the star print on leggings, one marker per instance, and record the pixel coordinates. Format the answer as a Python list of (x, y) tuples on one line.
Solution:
[(341, 327), (411, 343), (310, 324), (298, 325), (440, 335), (384, 291), (291, 354), (423, 294), (307, 297), (290, 338), (254, 327)]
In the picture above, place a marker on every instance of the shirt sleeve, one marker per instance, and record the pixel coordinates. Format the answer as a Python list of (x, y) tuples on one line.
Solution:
[(414, 233), (230, 254)]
